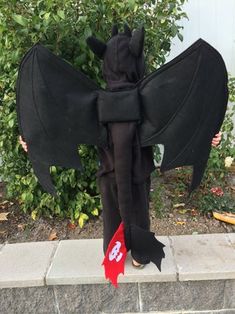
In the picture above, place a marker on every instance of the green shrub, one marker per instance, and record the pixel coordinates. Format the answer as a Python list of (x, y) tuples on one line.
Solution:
[(63, 26), (216, 170)]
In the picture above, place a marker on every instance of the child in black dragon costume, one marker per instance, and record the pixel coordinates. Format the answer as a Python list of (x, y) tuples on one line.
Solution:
[(126, 163)]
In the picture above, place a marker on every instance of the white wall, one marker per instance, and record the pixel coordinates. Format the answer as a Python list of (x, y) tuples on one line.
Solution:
[(213, 21)]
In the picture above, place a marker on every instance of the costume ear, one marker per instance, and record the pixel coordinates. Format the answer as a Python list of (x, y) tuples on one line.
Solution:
[(97, 46), (114, 30), (137, 42), (127, 30)]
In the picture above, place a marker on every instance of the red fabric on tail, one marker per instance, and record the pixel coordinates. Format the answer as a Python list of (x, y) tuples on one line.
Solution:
[(115, 256)]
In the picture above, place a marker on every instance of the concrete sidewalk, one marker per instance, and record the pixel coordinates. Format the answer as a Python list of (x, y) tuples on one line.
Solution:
[(198, 274)]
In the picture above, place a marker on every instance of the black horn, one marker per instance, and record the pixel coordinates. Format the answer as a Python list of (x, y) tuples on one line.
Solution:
[(114, 30), (137, 42), (97, 46)]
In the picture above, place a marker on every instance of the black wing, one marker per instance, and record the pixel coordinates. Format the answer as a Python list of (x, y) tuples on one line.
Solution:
[(56, 107), (184, 104)]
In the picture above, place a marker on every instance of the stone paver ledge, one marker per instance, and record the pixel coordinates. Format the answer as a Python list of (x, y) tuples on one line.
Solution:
[(198, 276)]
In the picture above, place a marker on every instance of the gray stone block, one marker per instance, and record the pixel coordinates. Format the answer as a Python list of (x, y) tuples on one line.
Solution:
[(206, 312), (25, 264), (33, 300), (231, 238), (77, 262), (229, 294), (204, 257), (100, 298), (176, 296)]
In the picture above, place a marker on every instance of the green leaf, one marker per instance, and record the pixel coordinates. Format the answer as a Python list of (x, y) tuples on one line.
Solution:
[(84, 216), (95, 212), (57, 209), (174, 30), (81, 222), (20, 19), (180, 36), (76, 213), (47, 15), (23, 196), (53, 169), (131, 4), (61, 14), (34, 214), (11, 123)]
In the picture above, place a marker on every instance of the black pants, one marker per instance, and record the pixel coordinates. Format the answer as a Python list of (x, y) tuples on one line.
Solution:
[(139, 213)]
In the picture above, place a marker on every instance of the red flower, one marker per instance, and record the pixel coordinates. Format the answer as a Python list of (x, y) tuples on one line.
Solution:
[(217, 191)]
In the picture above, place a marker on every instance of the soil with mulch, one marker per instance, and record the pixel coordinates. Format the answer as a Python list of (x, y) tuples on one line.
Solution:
[(176, 219)]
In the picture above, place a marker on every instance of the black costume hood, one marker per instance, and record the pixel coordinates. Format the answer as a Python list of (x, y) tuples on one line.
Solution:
[(123, 58)]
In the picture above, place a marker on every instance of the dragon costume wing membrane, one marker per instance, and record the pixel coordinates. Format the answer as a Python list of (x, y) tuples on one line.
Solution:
[(56, 108), (183, 107)]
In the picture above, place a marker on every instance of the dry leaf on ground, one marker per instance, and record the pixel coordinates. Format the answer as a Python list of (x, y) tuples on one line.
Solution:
[(3, 216), (53, 236), (183, 211), (179, 205), (224, 216), (5, 204), (180, 222), (71, 225), (194, 212), (21, 227)]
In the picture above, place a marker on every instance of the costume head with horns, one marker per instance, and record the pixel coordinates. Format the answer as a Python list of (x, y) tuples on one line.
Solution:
[(123, 58)]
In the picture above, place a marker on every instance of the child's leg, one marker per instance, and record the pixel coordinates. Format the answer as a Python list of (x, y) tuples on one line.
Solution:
[(111, 216), (140, 212)]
